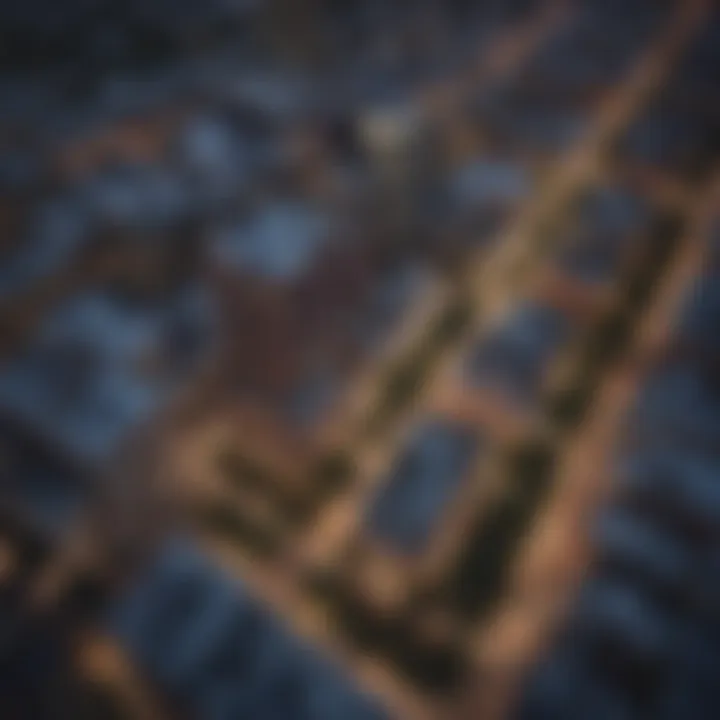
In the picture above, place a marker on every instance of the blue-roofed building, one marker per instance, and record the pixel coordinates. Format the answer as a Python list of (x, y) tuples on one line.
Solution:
[(475, 201), (591, 259), (646, 622), (515, 357), (614, 210), (57, 231), (677, 407), (216, 158), (487, 183), (616, 615), (566, 686), (672, 140), (634, 546), (690, 689), (391, 295), (276, 96), (291, 282), (100, 366), (697, 74), (41, 486), (126, 95), (140, 198), (609, 219), (422, 482), (281, 242), (526, 121), (682, 484), (208, 643)]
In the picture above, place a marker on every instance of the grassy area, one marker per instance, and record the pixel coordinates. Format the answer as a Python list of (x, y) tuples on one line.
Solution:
[(244, 472), (436, 669), (477, 581), (332, 472), (231, 524), (328, 476), (404, 381), (614, 331), (101, 700)]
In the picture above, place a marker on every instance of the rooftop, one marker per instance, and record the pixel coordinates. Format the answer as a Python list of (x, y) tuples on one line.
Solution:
[(515, 356), (101, 365), (490, 181), (204, 638), (44, 490), (139, 197), (280, 242), (423, 480), (216, 156), (676, 406), (646, 550), (58, 229)]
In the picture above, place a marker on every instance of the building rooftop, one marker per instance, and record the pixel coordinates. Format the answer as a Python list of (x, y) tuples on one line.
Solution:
[(590, 258), (672, 139), (676, 407), (422, 481), (201, 635), (280, 242), (45, 491), (566, 686), (613, 210), (607, 221), (215, 155), (489, 182), (700, 316), (100, 365), (608, 611), (516, 355), (139, 197), (56, 232), (647, 551), (686, 481)]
